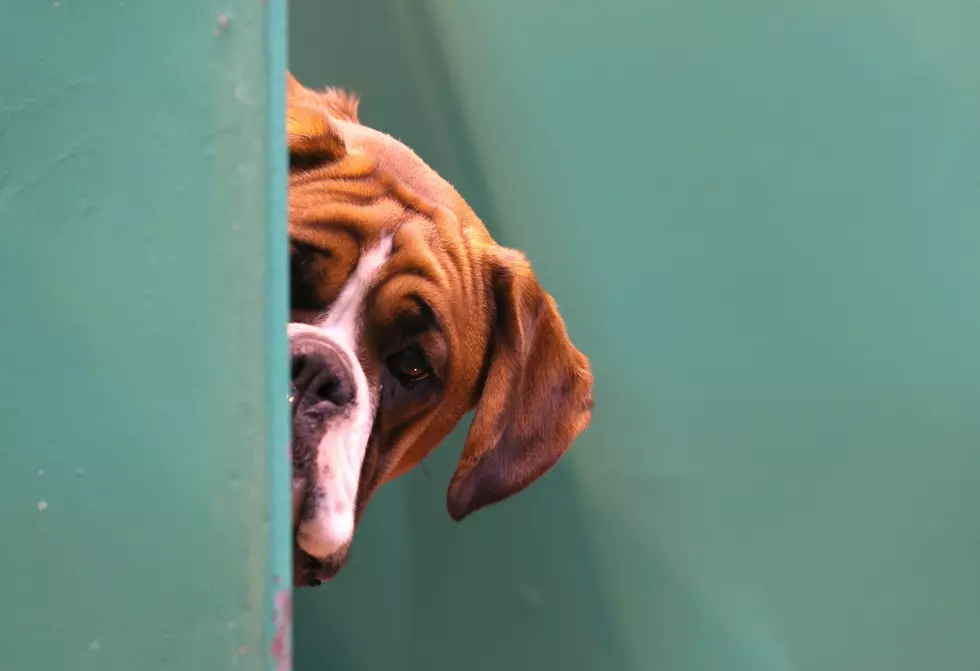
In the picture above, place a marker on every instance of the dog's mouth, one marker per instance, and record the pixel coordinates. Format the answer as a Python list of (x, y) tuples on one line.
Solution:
[(311, 572), (308, 571), (308, 430)]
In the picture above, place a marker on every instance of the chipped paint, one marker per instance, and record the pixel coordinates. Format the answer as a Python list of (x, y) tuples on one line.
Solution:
[(223, 23), (282, 641)]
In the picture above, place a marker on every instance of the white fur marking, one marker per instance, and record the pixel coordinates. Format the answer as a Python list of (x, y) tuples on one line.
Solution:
[(342, 320), (340, 453)]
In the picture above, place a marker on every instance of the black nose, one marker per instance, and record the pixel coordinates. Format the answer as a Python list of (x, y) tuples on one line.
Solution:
[(322, 378)]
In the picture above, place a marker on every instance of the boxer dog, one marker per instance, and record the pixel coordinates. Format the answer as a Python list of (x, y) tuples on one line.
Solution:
[(406, 315)]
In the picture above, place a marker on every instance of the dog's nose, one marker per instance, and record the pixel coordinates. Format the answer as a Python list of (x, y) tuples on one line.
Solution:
[(322, 378)]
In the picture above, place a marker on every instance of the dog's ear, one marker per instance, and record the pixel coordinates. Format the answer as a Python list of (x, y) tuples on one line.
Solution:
[(536, 397), (311, 134)]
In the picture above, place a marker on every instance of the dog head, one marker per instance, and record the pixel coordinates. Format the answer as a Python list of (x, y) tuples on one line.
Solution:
[(406, 315)]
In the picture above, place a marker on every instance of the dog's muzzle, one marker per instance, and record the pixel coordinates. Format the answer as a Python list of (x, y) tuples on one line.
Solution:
[(325, 400)]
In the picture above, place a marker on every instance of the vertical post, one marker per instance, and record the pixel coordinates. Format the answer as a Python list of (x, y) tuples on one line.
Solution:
[(143, 467)]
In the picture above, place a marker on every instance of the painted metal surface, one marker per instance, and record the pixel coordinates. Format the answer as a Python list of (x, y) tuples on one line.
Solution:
[(761, 221), (143, 476)]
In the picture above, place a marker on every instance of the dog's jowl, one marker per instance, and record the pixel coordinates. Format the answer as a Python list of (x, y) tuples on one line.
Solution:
[(406, 315)]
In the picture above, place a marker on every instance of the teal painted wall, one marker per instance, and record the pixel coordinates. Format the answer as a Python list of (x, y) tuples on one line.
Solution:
[(762, 221), (142, 349)]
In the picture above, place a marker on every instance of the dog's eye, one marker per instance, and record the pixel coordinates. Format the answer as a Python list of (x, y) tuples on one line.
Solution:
[(409, 366)]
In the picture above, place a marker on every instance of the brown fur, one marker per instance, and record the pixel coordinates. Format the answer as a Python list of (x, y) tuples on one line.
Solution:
[(506, 352)]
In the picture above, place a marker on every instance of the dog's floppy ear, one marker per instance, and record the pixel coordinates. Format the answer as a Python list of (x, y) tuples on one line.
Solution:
[(311, 133), (536, 398)]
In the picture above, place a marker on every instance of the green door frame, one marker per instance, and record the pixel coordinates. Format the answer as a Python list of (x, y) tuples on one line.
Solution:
[(144, 480)]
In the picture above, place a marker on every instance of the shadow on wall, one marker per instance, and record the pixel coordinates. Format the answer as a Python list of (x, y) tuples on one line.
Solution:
[(514, 586), (511, 587)]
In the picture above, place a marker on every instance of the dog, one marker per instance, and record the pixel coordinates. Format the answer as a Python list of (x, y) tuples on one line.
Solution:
[(405, 316)]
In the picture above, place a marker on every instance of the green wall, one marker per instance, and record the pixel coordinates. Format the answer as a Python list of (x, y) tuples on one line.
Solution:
[(142, 348), (762, 221)]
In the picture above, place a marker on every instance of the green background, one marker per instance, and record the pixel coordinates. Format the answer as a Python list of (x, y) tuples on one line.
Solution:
[(762, 222), (143, 475)]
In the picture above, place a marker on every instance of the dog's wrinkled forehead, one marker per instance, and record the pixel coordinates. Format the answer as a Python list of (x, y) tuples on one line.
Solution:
[(402, 164), (377, 188)]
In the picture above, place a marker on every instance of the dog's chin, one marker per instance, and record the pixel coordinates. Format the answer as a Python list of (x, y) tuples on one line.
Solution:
[(309, 571), (312, 572)]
